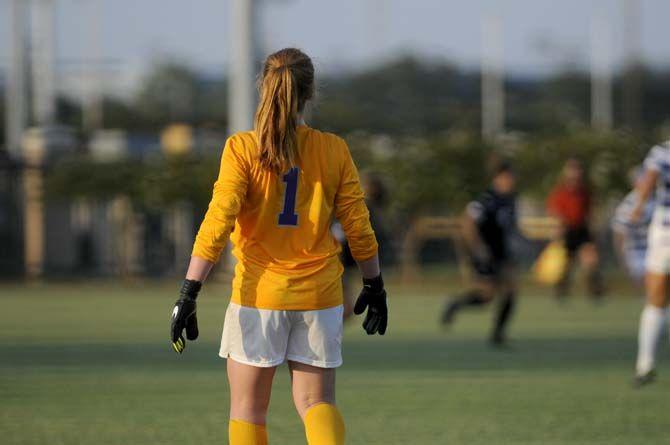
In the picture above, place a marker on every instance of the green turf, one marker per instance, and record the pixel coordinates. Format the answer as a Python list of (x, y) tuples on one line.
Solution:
[(91, 364)]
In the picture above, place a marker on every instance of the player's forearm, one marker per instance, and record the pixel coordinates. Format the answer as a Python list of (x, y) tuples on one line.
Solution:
[(646, 187), (213, 234), (198, 269), (370, 268), (618, 240), (643, 190), (355, 221)]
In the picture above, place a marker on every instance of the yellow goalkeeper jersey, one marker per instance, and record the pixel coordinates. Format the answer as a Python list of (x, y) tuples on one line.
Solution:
[(287, 255)]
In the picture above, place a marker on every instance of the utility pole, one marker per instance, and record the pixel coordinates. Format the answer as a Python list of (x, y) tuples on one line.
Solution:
[(241, 75), (42, 51), (492, 87), (16, 110), (632, 80), (92, 111), (241, 65), (601, 74), (377, 17)]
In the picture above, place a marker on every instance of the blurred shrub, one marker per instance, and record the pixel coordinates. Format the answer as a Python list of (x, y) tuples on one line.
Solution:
[(153, 184), (433, 175), (84, 178), (440, 174), (608, 158)]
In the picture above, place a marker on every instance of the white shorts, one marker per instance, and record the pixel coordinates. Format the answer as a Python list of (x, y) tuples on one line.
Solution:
[(658, 250), (266, 338)]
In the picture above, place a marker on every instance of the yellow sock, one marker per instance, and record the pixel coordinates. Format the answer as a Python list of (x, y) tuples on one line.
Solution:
[(245, 433), (324, 425)]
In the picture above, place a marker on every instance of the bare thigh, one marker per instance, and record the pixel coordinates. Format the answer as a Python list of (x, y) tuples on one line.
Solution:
[(588, 256), (250, 390), (508, 280), (486, 287), (657, 289), (505, 282), (311, 386)]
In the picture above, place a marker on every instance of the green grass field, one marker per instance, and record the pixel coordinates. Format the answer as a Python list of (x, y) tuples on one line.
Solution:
[(92, 364)]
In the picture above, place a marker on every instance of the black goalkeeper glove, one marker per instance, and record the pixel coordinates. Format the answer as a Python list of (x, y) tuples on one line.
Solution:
[(373, 296), (183, 315)]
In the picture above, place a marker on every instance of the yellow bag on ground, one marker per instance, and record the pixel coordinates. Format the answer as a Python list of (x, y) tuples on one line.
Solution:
[(550, 265)]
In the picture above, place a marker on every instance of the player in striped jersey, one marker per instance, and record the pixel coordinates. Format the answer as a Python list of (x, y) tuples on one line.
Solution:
[(657, 277)]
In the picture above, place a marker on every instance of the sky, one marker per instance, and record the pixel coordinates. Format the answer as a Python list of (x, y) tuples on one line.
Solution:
[(537, 37)]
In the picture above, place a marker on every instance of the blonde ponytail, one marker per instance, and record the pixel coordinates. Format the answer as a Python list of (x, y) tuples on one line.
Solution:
[(286, 84)]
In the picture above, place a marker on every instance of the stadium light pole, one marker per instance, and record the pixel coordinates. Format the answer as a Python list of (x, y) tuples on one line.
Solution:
[(492, 77), (16, 111), (632, 82), (601, 74), (377, 13), (241, 65), (92, 110), (241, 89), (42, 52)]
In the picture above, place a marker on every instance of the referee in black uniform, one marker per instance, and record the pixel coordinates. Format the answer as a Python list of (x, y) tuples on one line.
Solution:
[(490, 222)]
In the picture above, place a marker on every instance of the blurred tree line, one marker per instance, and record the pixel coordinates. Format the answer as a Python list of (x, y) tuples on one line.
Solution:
[(406, 96)]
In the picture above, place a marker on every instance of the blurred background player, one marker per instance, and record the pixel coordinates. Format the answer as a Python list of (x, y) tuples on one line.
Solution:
[(630, 239), (570, 202), (489, 224), (279, 188), (657, 285), (376, 200)]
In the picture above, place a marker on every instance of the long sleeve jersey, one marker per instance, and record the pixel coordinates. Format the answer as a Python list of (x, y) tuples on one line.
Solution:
[(287, 257)]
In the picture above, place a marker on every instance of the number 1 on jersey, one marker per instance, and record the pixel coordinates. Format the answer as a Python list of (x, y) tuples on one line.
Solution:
[(288, 217)]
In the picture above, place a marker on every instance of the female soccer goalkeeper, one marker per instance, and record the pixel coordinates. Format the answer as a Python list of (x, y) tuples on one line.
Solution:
[(279, 188)]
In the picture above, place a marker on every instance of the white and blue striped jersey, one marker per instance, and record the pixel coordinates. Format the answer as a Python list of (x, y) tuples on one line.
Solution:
[(658, 160), (635, 234)]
